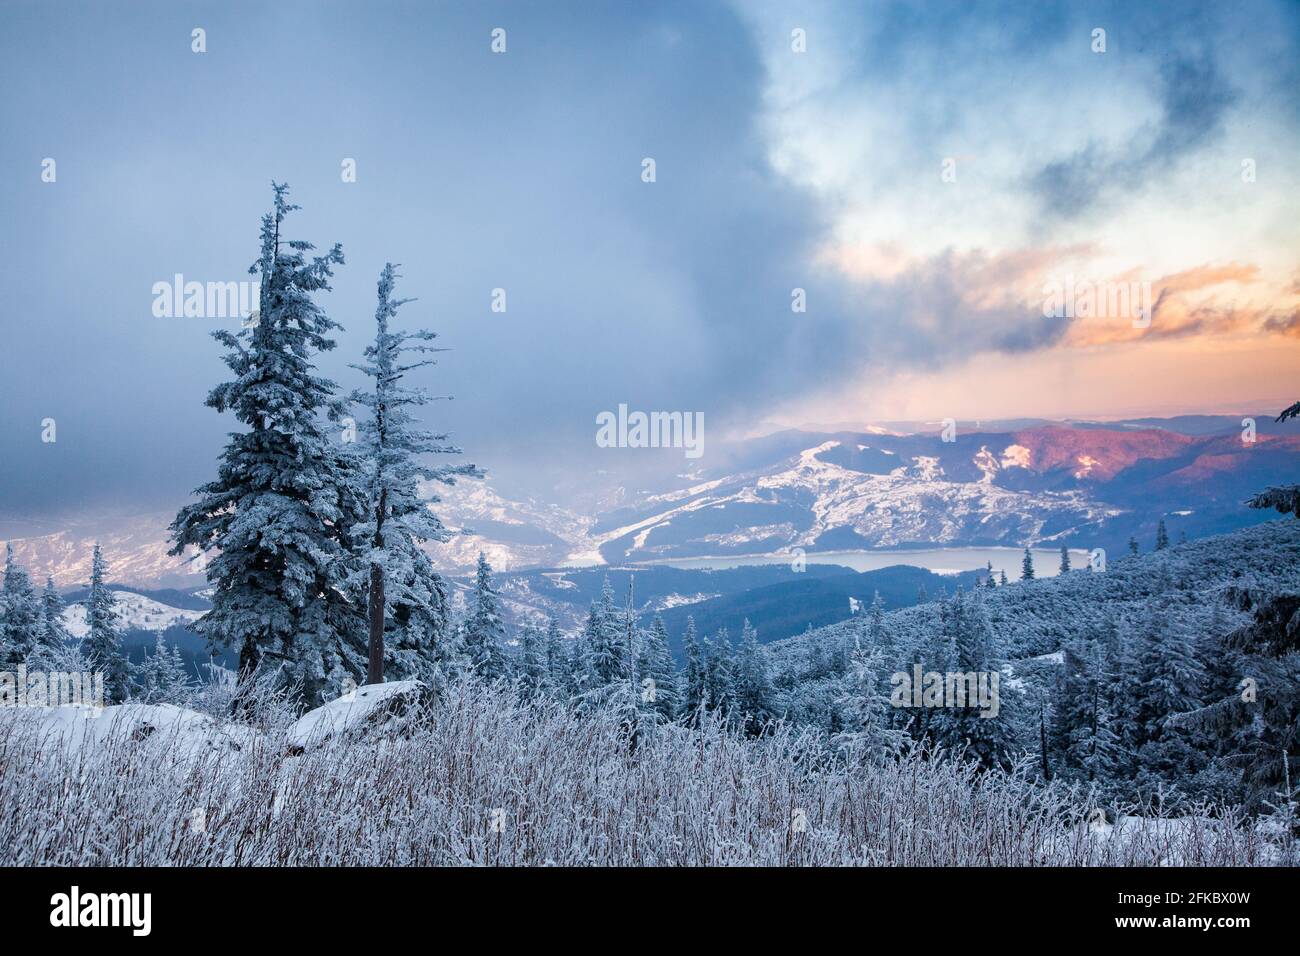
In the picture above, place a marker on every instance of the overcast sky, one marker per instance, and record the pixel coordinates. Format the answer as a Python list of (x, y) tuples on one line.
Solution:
[(775, 169)]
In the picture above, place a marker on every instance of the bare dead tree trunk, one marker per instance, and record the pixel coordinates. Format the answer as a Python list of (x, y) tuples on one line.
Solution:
[(250, 657), (375, 670), (1042, 745)]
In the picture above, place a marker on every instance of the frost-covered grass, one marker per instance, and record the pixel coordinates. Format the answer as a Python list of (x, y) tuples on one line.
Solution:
[(480, 778)]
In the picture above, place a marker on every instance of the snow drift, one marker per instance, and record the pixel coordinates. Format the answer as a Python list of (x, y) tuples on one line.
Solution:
[(374, 708)]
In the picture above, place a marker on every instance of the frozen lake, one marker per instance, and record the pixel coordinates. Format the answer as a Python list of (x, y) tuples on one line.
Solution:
[(940, 560)]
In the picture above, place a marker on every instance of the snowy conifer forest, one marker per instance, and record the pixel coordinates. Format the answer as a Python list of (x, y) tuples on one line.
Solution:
[(673, 435)]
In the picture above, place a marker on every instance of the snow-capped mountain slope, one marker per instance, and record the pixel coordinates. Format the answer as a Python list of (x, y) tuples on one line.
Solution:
[(135, 547), (1084, 486), (512, 533), (135, 613), (814, 501)]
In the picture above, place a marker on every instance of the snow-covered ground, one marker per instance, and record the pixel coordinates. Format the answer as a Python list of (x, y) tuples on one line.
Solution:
[(680, 600), (80, 729), (365, 707)]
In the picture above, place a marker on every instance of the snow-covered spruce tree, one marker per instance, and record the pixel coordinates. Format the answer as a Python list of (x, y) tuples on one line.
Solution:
[(752, 695), (578, 668), (102, 645), (930, 648), (991, 734), (632, 635), (559, 678), (1027, 566), (719, 672), (865, 714), (20, 613), (604, 642), (162, 676), (693, 689), (1083, 732), (1121, 678), (49, 652), (883, 654), (1284, 499), (635, 698), (405, 597), (532, 665), (484, 629), (876, 635), (1162, 536), (281, 512), (1257, 719), (1170, 682), (1065, 559), (1039, 677), (606, 662), (656, 664)]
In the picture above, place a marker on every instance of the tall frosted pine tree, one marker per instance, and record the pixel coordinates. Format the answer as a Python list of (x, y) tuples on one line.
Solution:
[(656, 665), (1083, 725), (990, 729), (719, 672), (1170, 681), (162, 676), (693, 689), (484, 630), (50, 652), (281, 511), (604, 641), (559, 676), (864, 711), (532, 668), (20, 613), (752, 692), (1027, 566), (102, 645), (405, 597)]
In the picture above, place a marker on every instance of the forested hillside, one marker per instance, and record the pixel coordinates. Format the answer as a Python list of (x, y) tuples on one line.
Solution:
[(1038, 616), (1170, 675)]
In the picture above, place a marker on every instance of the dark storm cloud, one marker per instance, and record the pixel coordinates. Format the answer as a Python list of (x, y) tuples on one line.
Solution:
[(476, 171), (1194, 101)]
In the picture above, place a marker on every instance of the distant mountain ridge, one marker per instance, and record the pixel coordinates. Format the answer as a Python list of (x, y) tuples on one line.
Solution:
[(1083, 487), (1082, 484)]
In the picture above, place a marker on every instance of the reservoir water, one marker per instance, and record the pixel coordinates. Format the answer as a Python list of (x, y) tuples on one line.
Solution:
[(1047, 561)]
